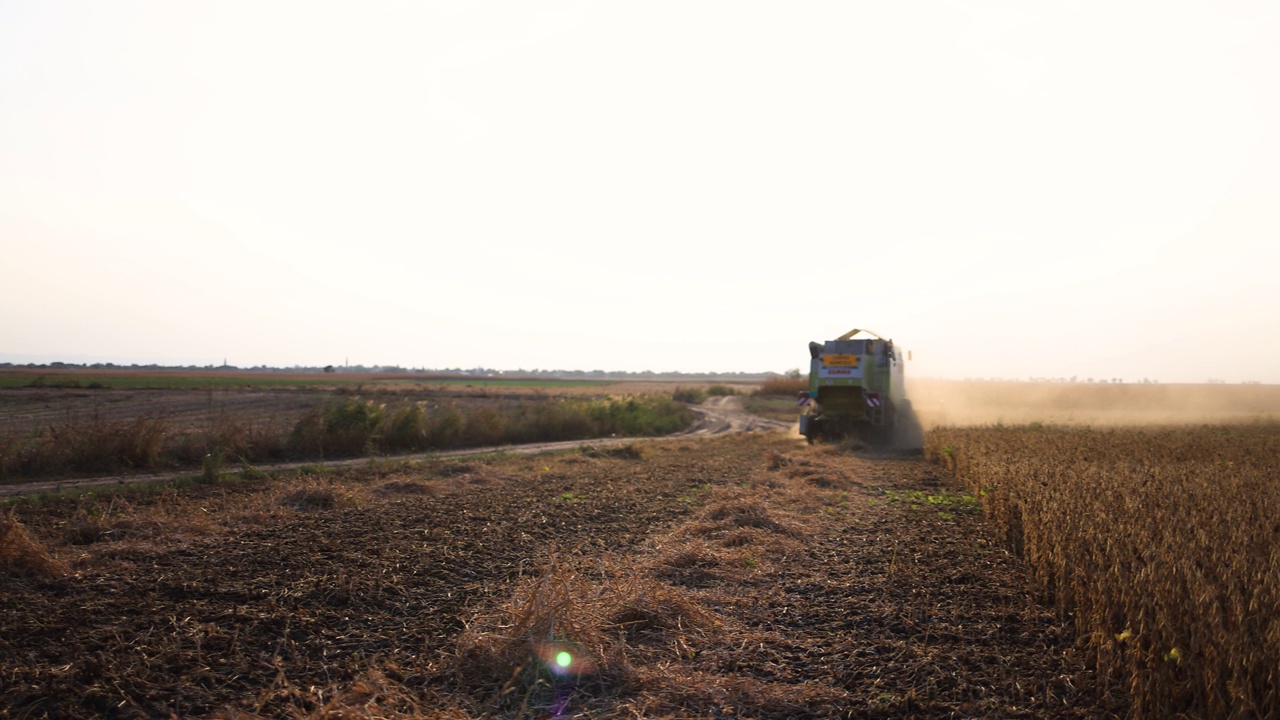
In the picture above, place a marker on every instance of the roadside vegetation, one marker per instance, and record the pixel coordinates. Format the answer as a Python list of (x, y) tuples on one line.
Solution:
[(784, 385), (695, 394), (342, 427), (1163, 546), (775, 398)]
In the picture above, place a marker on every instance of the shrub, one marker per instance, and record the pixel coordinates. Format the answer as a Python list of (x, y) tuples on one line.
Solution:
[(231, 437), (779, 385), (96, 447), (444, 428), (640, 416), (340, 428), (405, 429), (693, 395), (554, 420), (722, 391), (485, 426)]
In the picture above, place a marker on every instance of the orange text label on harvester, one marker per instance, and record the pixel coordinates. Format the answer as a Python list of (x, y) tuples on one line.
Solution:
[(840, 360)]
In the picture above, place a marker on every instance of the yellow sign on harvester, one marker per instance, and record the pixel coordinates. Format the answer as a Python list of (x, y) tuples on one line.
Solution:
[(840, 360)]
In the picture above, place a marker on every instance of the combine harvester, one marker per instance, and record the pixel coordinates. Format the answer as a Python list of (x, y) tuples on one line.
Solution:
[(856, 388)]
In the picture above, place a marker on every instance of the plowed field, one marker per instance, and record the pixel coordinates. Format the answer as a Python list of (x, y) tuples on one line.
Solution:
[(741, 576)]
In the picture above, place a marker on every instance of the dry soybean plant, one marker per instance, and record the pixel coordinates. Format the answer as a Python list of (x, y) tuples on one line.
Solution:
[(1162, 544)]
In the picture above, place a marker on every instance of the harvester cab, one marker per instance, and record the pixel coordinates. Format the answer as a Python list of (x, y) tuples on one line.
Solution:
[(855, 388)]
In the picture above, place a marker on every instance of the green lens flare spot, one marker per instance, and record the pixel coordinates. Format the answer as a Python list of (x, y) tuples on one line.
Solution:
[(563, 659)]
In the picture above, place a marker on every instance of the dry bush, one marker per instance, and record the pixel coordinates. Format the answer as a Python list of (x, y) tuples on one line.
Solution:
[(231, 436), (1163, 545), (405, 429), (100, 446), (787, 386), (20, 555), (340, 428), (689, 394), (10, 446)]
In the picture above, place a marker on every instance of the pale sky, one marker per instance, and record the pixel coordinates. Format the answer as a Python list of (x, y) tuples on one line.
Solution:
[(1007, 189)]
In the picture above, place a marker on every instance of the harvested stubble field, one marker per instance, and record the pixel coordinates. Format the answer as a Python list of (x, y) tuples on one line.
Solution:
[(742, 576)]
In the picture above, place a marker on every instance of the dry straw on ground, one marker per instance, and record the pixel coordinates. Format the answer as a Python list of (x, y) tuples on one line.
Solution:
[(22, 557)]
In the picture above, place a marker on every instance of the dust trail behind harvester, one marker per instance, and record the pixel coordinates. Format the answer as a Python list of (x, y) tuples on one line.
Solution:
[(955, 403)]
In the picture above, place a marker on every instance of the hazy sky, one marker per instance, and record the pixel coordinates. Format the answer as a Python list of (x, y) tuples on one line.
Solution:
[(1007, 189)]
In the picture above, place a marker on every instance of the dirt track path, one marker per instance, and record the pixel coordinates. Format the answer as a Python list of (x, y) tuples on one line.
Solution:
[(718, 416), (725, 416)]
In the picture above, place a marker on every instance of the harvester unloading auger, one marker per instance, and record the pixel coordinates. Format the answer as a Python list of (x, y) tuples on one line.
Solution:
[(855, 388)]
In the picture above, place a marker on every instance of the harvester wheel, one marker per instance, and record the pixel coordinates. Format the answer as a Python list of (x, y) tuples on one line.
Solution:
[(813, 430)]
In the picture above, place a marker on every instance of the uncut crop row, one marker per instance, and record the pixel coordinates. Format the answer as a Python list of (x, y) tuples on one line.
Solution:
[(1162, 544)]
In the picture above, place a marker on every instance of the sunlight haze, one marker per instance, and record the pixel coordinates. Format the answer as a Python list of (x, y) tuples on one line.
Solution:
[(1006, 189)]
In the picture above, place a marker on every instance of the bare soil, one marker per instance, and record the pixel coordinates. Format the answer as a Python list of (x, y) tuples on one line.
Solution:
[(798, 582)]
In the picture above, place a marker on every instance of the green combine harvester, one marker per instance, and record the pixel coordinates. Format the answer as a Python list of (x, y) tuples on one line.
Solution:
[(855, 388)]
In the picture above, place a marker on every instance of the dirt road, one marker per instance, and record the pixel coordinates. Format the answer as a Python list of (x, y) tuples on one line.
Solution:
[(724, 416), (717, 416)]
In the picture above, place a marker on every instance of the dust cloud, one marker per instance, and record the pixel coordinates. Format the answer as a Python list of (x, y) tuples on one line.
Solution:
[(955, 403)]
